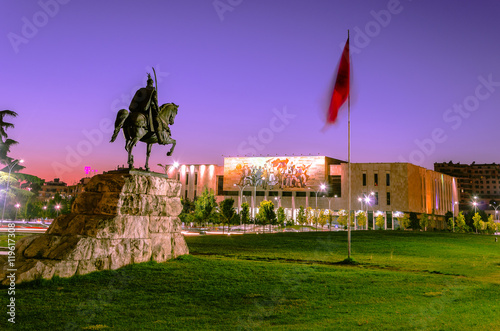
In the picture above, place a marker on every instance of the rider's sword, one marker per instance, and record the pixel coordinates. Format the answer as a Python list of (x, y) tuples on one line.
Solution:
[(150, 105)]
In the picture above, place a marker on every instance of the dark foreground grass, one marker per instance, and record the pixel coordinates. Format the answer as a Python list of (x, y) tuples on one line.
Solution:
[(273, 285)]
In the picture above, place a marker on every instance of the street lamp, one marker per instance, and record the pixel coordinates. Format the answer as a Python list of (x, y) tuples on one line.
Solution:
[(496, 211), (44, 214), (474, 203), (279, 201), (321, 188), (17, 209), (57, 207), (453, 207), (368, 201), (240, 196), (11, 166)]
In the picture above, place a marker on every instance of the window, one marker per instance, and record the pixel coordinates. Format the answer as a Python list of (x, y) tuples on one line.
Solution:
[(375, 179), (187, 179), (220, 185), (364, 179), (335, 186), (388, 198), (178, 176), (388, 179), (195, 179), (376, 198), (300, 194)]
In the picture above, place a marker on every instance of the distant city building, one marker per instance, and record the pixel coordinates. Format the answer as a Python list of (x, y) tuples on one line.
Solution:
[(322, 182), (51, 188), (56, 186), (474, 180)]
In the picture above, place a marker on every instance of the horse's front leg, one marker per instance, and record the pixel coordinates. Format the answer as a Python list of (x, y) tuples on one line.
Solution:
[(173, 142), (148, 153), (128, 147)]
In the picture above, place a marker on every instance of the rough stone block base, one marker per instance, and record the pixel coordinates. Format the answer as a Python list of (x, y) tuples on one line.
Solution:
[(123, 217)]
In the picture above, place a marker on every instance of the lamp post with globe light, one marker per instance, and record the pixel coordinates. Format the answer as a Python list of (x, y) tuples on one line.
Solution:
[(17, 209), (57, 207), (240, 196), (44, 214), (453, 208), (11, 166), (474, 203), (279, 201), (496, 211), (367, 201), (321, 188)]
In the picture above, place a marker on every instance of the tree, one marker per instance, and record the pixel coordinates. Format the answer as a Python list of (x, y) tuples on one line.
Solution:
[(460, 224), (414, 223), (323, 218), (449, 220), (188, 208), (361, 218), (424, 221), (491, 225), (281, 216), (380, 221), (227, 212), (309, 215), (404, 221), (205, 207), (5, 142), (432, 219), (342, 219), (477, 219), (245, 214), (301, 216), (266, 212)]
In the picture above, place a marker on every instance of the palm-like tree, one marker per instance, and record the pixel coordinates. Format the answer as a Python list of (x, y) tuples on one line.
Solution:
[(6, 142)]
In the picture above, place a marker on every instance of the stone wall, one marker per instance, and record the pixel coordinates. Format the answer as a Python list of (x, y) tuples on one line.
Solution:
[(123, 217)]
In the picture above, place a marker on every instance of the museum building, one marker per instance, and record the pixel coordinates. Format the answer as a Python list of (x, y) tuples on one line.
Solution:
[(322, 182)]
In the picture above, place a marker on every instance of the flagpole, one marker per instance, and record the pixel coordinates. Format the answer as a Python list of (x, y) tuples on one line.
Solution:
[(349, 166)]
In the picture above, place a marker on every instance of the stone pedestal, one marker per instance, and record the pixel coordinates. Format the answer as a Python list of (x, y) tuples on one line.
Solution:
[(123, 217)]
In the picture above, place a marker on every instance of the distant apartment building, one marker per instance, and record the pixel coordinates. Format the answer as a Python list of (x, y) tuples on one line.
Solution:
[(56, 186), (322, 182), (53, 187), (474, 180)]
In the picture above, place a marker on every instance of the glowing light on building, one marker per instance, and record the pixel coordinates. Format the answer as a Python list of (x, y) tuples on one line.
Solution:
[(211, 170), (202, 170)]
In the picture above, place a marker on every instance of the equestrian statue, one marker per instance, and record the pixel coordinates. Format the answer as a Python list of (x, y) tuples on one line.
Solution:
[(146, 121)]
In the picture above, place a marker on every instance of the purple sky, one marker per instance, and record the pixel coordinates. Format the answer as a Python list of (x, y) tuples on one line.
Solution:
[(256, 68)]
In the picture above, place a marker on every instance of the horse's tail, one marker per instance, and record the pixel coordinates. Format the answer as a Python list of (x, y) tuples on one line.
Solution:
[(120, 119)]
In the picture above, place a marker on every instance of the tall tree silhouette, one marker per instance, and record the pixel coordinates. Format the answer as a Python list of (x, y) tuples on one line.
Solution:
[(6, 142)]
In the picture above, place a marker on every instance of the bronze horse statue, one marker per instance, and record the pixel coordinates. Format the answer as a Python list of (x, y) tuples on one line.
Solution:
[(135, 128)]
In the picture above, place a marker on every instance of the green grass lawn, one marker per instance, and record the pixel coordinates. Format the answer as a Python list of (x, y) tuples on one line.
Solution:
[(286, 281)]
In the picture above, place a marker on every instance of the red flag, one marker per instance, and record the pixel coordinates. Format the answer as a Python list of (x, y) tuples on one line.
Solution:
[(341, 89)]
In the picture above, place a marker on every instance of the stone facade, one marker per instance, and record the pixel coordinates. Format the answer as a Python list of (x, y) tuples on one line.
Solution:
[(123, 217)]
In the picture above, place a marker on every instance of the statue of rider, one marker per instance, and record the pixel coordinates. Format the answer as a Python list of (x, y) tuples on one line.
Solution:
[(145, 101)]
